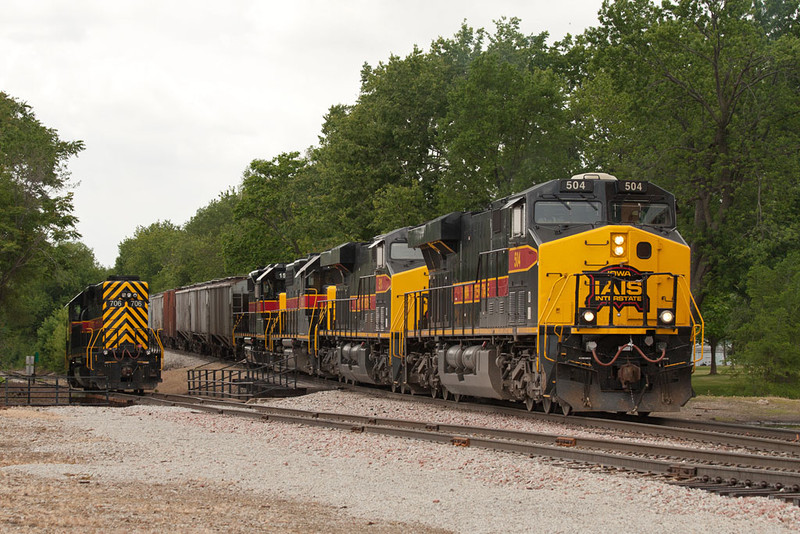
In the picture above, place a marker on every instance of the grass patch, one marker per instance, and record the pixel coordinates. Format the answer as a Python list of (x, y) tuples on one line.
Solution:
[(726, 383), (730, 382)]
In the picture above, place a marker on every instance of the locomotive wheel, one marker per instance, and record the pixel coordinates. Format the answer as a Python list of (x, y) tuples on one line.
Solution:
[(566, 409), (547, 405), (445, 393), (434, 392), (529, 404), (457, 397), (394, 387)]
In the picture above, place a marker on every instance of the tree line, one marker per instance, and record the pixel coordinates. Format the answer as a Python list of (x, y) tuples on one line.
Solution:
[(698, 96)]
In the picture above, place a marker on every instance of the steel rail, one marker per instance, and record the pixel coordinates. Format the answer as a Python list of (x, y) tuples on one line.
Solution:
[(743, 436), (783, 434), (669, 461)]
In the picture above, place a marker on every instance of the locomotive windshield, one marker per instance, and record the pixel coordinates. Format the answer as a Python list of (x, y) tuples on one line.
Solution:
[(641, 213), (401, 251), (567, 212)]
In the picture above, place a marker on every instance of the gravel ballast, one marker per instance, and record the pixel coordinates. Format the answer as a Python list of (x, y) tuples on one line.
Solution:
[(213, 469)]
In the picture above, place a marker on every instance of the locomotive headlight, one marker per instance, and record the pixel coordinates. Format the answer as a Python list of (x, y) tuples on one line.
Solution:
[(587, 316), (666, 317), (618, 245)]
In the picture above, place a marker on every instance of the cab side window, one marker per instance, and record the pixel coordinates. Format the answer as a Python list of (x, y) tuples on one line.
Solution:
[(518, 220), (380, 256)]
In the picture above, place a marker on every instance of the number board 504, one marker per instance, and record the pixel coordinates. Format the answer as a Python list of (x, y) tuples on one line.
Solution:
[(577, 186), (630, 186)]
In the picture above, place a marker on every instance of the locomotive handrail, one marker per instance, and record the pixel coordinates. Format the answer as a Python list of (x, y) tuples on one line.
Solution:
[(691, 304), (160, 346), (345, 317), (397, 348), (645, 295), (695, 318), (434, 294), (313, 326), (233, 330), (144, 334), (546, 316), (272, 320), (92, 340), (323, 312)]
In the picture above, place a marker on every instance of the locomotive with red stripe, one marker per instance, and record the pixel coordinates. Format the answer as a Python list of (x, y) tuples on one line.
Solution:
[(109, 344), (572, 294)]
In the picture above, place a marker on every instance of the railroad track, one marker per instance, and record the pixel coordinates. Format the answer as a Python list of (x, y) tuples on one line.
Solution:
[(756, 472), (773, 440)]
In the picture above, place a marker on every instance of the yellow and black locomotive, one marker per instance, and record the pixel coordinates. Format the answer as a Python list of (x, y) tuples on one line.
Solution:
[(573, 294), (109, 345)]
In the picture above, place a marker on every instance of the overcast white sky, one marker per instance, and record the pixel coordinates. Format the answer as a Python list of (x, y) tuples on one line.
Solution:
[(174, 98)]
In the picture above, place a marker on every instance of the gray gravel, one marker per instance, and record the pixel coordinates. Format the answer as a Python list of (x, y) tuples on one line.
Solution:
[(385, 478), (174, 359)]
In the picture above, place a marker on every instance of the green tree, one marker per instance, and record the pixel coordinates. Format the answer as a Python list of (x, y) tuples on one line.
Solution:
[(199, 253), (52, 341), (507, 125), (716, 313), (701, 96), (35, 213), (766, 343), (55, 277), (272, 213), (446, 129), (384, 147), (150, 255)]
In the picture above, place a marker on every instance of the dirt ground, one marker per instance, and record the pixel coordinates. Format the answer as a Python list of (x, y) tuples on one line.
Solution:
[(76, 502), (173, 382), (754, 410)]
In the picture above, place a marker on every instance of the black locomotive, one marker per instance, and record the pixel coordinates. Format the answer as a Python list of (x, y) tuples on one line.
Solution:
[(573, 293), (109, 343)]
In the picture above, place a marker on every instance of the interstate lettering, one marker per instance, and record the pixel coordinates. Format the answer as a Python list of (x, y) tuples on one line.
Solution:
[(617, 286)]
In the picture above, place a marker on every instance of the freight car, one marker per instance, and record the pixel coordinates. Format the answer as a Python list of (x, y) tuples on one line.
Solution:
[(109, 344), (206, 318), (162, 318)]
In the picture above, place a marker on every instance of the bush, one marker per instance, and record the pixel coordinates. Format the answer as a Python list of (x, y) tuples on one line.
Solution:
[(52, 341), (767, 342)]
